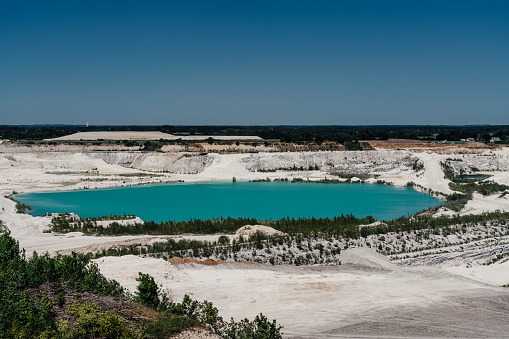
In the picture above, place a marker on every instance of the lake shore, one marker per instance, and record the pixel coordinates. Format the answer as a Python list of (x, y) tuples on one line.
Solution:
[(30, 172), (260, 200), (22, 171)]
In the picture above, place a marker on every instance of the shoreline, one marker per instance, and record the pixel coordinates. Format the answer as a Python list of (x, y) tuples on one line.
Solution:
[(29, 173), (397, 192), (239, 290), (223, 168)]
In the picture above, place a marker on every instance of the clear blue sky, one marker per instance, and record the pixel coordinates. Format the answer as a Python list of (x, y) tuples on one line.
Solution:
[(254, 62)]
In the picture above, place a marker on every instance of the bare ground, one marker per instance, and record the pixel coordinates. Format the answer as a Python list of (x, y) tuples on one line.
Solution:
[(482, 315), (368, 298)]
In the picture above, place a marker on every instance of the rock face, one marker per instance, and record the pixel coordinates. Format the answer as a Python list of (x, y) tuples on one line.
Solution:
[(175, 160), (36, 149), (90, 157), (356, 162), (85, 161), (171, 162), (470, 163), (460, 167), (359, 162)]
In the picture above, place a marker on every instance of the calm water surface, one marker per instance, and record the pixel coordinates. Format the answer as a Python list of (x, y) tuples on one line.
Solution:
[(263, 200)]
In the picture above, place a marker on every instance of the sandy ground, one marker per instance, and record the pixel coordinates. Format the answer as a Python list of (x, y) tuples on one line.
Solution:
[(496, 274), (432, 177), (321, 301), (480, 204), (419, 146), (373, 299)]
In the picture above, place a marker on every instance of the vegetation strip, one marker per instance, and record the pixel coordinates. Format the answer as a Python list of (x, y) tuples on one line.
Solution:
[(307, 241), (318, 134)]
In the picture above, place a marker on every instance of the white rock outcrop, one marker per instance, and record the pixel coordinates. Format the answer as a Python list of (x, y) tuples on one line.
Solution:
[(355, 162)]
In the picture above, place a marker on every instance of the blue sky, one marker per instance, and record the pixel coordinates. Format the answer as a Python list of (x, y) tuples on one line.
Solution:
[(254, 62)]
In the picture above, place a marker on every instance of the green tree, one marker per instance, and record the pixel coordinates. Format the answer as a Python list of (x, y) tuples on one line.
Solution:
[(223, 240), (147, 290)]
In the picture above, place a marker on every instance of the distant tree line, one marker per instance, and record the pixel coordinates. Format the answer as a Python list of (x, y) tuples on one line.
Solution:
[(318, 134)]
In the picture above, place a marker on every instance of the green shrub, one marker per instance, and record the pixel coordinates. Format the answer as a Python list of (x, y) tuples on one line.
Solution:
[(223, 240), (168, 325), (188, 307), (91, 323), (147, 290), (448, 170), (60, 299), (25, 317), (22, 316), (260, 328), (417, 166), (486, 187)]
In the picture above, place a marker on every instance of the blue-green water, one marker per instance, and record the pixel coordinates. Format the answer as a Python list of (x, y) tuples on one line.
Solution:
[(473, 176), (263, 200)]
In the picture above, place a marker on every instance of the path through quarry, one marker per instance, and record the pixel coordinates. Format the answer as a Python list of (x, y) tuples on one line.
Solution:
[(433, 174)]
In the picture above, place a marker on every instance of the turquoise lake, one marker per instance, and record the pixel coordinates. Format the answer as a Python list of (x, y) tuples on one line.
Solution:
[(262, 200)]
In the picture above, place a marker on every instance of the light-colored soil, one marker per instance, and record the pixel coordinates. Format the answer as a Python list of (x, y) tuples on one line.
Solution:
[(133, 135), (120, 135), (366, 257), (207, 262), (403, 141), (331, 301), (438, 147)]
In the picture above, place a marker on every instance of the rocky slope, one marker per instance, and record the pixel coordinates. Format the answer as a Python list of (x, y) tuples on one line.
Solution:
[(356, 162)]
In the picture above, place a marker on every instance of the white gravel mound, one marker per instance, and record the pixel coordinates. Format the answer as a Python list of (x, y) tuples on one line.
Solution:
[(443, 211), (248, 230), (366, 257), (117, 135)]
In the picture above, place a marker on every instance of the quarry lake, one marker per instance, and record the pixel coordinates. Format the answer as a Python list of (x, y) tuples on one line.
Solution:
[(262, 200)]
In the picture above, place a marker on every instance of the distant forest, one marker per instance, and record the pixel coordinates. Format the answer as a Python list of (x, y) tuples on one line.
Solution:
[(317, 134)]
